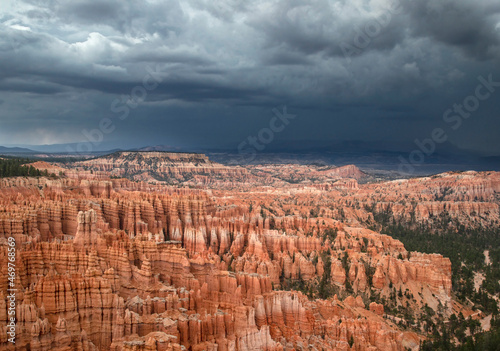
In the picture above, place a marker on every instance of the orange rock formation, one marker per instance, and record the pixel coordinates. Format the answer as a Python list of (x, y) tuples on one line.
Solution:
[(111, 264)]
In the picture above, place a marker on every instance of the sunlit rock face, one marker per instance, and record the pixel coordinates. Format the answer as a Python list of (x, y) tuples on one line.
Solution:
[(112, 264)]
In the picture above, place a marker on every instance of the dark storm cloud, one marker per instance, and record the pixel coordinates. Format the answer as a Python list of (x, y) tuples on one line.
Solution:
[(92, 12), (284, 57), (322, 26), (12, 85), (132, 17), (472, 26), (78, 56)]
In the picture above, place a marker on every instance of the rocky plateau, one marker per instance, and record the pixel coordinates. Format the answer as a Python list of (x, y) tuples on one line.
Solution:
[(188, 254)]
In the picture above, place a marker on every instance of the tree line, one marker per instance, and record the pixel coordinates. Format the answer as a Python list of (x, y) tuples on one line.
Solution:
[(19, 167)]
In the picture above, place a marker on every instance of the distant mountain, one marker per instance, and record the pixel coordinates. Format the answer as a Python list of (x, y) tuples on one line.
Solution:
[(15, 150), (69, 148)]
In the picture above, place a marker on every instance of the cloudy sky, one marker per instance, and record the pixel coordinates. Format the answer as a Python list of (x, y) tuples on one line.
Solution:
[(208, 74)]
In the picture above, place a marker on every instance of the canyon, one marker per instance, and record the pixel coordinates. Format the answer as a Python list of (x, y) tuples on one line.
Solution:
[(171, 251)]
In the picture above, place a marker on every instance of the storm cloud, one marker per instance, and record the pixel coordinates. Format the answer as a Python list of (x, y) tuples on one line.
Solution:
[(374, 70)]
